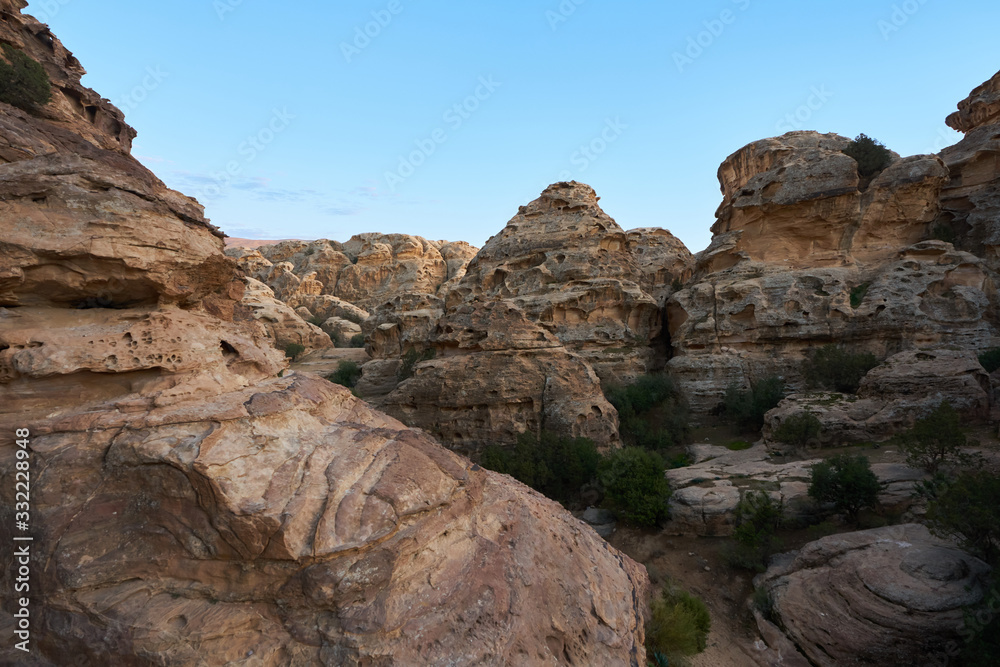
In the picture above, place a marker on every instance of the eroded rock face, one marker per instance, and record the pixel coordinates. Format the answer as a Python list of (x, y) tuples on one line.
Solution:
[(284, 325), (888, 596), (971, 200), (191, 507), (981, 108), (366, 271), (572, 269), (802, 256), (547, 310), (906, 387)]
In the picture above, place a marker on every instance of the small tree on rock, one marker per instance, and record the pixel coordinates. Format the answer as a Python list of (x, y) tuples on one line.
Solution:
[(936, 440), (846, 481), (871, 155)]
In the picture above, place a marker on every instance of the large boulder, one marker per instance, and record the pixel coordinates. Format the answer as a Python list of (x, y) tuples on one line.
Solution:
[(888, 596), (192, 506)]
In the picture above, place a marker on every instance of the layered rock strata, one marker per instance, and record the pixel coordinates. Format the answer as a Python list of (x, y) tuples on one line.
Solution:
[(191, 506), (888, 596)]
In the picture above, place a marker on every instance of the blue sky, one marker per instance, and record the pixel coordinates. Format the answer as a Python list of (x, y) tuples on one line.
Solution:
[(288, 121)]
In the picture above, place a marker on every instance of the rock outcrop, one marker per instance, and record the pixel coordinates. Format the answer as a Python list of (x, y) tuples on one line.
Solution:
[(707, 493), (549, 309), (190, 506), (906, 387), (366, 271), (888, 596), (803, 256), (283, 325), (971, 200)]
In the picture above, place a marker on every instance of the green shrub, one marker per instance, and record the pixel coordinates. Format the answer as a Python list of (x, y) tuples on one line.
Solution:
[(798, 430), (316, 320), (748, 407), (357, 340), (635, 486), (411, 359), (969, 509), (552, 465), (858, 294), (757, 519), (990, 359), (871, 155), (293, 350), (347, 374), (738, 445), (935, 440), (23, 82), (846, 481), (652, 412), (837, 368), (678, 626)]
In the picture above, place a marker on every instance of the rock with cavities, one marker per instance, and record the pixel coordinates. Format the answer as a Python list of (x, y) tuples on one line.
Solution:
[(805, 254), (189, 505), (970, 201), (551, 307)]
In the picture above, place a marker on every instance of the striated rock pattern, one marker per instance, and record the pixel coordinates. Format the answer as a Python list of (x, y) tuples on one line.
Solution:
[(803, 257), (888, 596), (191, 507)]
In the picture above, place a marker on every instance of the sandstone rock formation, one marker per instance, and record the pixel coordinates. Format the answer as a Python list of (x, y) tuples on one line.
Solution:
[(802, 257), (892, 396), (706, 494), (547, 310), (889, 596), (283, 325), (365, 271), (971, 200), (190, 506)]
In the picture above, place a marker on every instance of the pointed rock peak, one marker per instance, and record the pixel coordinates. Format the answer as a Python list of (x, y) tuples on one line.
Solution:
[(564, 197), (981, 107)]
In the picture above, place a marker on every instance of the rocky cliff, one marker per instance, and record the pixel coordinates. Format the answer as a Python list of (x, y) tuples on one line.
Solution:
[(192, 506), (803, 254)]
